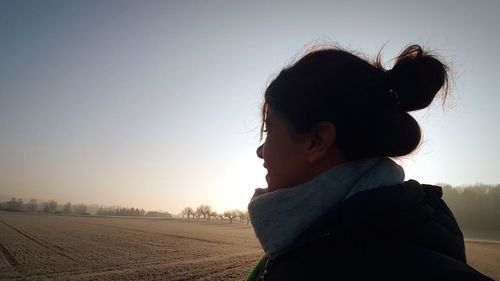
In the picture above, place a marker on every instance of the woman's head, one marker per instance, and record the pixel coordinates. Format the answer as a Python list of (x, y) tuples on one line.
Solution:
[(365, 105)]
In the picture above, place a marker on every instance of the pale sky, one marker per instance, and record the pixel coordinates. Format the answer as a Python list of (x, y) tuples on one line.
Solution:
[(155, 104)]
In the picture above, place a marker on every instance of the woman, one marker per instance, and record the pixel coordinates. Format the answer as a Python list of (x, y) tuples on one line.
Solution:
[(337, 207)]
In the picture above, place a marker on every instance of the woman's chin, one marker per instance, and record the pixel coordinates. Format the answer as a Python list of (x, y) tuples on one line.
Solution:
[(270, 186)]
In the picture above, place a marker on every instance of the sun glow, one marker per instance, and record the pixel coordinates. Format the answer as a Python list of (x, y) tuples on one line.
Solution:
[(238, 184)]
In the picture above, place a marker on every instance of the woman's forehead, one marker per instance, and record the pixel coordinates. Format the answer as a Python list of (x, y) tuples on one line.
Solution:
[(275, 119)]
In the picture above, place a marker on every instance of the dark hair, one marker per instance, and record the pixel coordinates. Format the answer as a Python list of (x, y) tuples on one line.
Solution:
[(368, 104)]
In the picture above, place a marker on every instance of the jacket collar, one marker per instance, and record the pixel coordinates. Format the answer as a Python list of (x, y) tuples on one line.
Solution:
[(280, 217)]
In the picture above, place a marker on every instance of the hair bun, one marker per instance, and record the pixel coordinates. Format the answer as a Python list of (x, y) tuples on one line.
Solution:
[(417, 77)]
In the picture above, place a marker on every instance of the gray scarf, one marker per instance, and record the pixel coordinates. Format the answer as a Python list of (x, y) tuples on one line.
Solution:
[(279, 217)]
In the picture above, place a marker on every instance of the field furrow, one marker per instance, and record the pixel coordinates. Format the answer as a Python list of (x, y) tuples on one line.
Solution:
[(193, 269), (7, 257), (72, 248), (39, 242), (163, 234)]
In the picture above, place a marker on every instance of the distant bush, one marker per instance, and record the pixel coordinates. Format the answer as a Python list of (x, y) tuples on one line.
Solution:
[(49, 207), (110, 211), (13, 205), (158, 215), (475, 206)]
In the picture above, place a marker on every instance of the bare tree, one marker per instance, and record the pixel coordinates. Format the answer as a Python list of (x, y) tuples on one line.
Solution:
[(213, 214), (199, 213), (247, 217), (32, 206), (67, 208), (241, 215), (50, 207), (231, 215), (204, 210), (187, 211), (220, 217), (80, 209), (14, 205)]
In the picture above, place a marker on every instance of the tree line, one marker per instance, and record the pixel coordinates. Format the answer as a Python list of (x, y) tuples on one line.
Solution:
[(206, 212), (49, 207), (474, 206), (132, 212), (53, 207)]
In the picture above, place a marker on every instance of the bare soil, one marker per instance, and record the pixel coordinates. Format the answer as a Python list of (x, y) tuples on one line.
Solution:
[(484, 256), (46, 247)]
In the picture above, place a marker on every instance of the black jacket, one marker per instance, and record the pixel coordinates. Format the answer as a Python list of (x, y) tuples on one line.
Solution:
[(401, 232)]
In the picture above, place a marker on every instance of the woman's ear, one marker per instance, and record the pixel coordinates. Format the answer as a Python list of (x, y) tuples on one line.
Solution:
[(322, 139)]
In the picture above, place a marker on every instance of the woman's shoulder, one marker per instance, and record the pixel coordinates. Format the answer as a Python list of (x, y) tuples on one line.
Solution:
[(332, 258), (394, 232), (410, 213)]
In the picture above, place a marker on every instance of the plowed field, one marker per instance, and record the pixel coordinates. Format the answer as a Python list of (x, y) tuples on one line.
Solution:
[(45, 247)]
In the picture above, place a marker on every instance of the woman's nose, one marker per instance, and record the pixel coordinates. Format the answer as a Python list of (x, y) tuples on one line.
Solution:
[(259, 151)]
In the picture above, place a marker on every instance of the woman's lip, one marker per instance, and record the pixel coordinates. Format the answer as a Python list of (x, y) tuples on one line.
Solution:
[(264, 165)]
